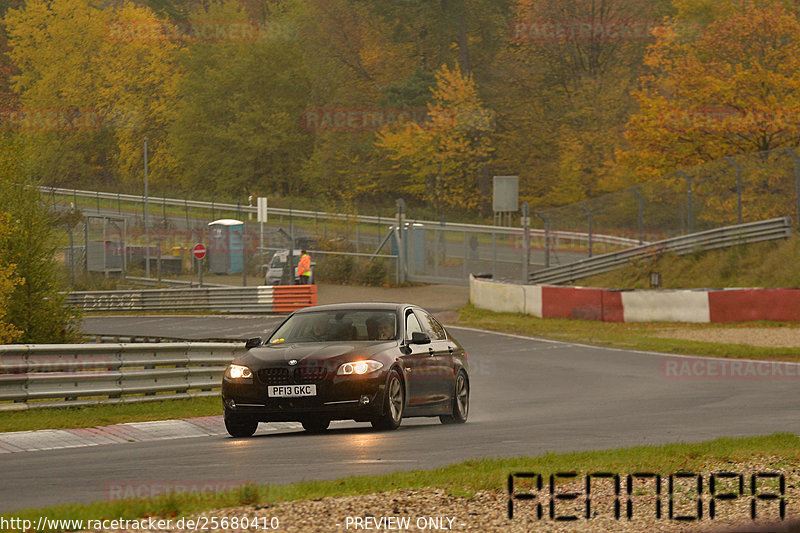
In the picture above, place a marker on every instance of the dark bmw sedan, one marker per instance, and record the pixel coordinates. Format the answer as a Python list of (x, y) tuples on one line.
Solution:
[(370, 362)]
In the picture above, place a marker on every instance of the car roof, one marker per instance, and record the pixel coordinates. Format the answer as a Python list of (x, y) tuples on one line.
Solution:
[(367, 306)]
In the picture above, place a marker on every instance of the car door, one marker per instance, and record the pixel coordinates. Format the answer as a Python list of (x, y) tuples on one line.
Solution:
[(439, 366), (416, 364)]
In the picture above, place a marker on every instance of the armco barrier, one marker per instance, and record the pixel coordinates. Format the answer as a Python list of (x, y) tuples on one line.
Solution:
[(751, 232), (63, 375), (265, 299), (590, 303)]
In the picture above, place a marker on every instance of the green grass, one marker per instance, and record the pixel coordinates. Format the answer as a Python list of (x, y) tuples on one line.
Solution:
[(102, 415), (459, 480), (766, 264), (639, 336)]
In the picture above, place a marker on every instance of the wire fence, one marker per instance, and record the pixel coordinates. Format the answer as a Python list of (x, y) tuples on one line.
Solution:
[(733, 190), (370, 249)]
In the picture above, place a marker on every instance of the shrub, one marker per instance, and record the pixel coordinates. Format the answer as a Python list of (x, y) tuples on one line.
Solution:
[(36, 304), (374, 273), (335, 268)]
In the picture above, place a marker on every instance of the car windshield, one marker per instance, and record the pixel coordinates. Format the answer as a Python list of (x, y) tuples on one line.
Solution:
[(333, 326)]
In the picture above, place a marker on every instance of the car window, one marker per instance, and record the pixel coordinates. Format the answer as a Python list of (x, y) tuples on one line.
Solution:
[(412, 325), (336, 326), (429, 324)]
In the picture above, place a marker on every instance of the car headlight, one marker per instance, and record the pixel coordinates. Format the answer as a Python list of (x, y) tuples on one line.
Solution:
[(238, 372), (359, 368)]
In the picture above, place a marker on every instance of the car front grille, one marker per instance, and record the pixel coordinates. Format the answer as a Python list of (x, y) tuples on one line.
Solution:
[(275, 376), (293, 376)]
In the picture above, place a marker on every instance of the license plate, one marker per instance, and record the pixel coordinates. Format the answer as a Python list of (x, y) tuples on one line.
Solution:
[(291, 391)]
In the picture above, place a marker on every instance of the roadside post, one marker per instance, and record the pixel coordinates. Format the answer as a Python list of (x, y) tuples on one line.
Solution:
[(546, 237), (199, 252), (401, 220), (262, 219), (526, 228)]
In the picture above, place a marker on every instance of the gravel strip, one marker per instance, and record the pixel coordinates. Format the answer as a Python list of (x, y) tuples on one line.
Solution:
[(783, 337), (486, 511)]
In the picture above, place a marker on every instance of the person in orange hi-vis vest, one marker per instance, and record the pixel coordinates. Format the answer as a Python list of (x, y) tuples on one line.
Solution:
[(304, 269)]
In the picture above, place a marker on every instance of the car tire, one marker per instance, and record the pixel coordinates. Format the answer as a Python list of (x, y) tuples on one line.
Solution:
[(316, 425), (240, 427), (394, 404), (460, 401)]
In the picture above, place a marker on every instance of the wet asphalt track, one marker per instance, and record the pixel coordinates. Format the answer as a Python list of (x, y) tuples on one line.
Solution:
[(528, 396)]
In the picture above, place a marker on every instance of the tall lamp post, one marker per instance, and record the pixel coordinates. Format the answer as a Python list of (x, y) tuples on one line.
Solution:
[(146, 230)]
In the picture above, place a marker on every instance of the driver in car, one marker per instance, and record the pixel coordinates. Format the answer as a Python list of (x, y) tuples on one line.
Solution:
[(385, 330), (320, 329)]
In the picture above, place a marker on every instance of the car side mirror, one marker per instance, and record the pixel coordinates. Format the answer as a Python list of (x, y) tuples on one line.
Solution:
[(419, 337), (252, 343)]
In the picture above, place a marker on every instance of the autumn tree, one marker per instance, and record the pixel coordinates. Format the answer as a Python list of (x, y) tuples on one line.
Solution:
[(445, 158), (561, 91), (730, 87), (237, 128), (92, 82), (8, 283), (55, 48), (35, 299)]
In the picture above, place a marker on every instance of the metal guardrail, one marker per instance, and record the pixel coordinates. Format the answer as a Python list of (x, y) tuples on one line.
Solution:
[(117, 339), (265, 299), (64, 375), (174, 282), (776, 228), (450, 226)]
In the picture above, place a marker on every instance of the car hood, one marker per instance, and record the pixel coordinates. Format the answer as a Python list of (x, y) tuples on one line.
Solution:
[(265, 356)]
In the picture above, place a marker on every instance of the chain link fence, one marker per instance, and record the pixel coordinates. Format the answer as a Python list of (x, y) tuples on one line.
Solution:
[(391, 249), (728, 191)]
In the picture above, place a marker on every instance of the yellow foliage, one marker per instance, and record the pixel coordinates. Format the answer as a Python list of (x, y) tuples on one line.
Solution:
[(731, 90), (443, 158), (74, 56), (8, 333)]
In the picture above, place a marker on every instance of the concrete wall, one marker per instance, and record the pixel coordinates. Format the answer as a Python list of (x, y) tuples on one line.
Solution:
[(590, 303), (665, 306)]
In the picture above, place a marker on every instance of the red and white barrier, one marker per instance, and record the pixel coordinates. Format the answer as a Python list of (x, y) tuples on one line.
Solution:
[(589, 303), (665, 306)]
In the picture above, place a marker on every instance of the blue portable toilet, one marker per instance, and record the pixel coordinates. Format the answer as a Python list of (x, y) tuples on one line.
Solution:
[(226, 246)]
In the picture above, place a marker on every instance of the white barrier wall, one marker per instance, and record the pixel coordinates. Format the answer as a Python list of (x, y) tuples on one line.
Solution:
[(505, 297), (666, 306), (533, 300), (637, 306), (497, 297), (699, 306)]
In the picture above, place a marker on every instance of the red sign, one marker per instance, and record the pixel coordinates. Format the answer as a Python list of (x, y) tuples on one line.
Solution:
[(199, 251)]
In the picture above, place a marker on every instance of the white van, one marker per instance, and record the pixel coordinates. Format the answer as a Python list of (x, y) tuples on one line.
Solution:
[(278, 271)]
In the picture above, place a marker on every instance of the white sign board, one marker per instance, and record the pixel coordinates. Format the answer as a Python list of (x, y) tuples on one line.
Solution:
[(505, 196), (262, 209)]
